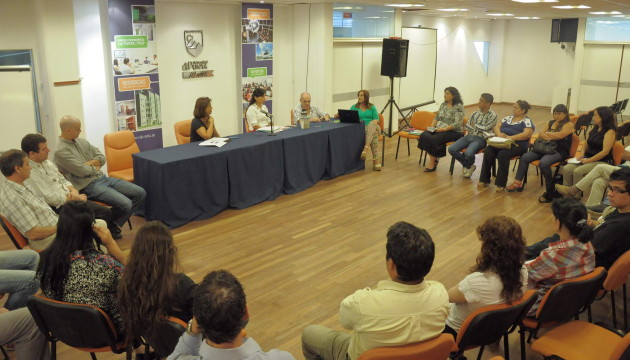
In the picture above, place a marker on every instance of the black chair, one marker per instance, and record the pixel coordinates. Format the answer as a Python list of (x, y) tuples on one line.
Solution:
[(163, 339), (583, 122), (562, 302), (488, 324), (84, 327)]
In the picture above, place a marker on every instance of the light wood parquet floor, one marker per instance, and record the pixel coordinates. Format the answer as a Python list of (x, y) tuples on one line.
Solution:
[(299, 255)]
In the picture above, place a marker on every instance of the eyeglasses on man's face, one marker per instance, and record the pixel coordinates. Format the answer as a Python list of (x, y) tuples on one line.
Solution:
[(616, 190)]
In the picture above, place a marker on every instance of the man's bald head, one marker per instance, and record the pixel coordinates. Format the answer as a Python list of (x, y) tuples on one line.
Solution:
[(70, 127), (305, 100)]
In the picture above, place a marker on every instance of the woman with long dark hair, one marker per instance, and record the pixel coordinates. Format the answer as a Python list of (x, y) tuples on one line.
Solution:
[(151, 288), (597, 150), (257, 114), (559, 131), (572, 256), (74, 269), (499, 275), (448, 125)]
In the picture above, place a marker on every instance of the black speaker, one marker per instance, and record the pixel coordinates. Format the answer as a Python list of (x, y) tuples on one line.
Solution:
[(394, 58)]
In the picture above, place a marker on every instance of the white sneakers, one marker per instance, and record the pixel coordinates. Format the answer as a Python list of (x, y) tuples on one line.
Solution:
[(468, 172)]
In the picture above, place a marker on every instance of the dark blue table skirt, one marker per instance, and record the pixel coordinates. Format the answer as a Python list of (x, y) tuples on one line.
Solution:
[(191, 182)]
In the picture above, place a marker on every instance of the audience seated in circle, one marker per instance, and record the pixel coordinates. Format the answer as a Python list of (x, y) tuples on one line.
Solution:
[(448, 125), (217, 330), (403, 310), (597, 149), (151, 289), (74, 269), (571, 256), (498, 276), (517, 127), (558, 131)]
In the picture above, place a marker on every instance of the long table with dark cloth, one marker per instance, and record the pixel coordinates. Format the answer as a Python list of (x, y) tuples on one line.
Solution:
[(191, 182)]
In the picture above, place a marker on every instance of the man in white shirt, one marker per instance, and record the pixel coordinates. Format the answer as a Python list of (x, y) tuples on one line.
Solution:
[(126, 68), (47, 182), (403, 310), (306, 111)]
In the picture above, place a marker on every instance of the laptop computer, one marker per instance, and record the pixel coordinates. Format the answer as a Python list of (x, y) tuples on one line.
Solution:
[(348, 116)]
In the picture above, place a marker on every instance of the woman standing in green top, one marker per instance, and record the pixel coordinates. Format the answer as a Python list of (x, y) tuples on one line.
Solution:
[(369, 116)]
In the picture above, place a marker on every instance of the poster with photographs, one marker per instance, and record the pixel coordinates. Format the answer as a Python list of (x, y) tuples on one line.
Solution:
[(132, 27), (257, 52)]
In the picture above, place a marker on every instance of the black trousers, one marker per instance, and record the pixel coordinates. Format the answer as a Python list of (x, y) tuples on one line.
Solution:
[(435, 143), (502, 157)]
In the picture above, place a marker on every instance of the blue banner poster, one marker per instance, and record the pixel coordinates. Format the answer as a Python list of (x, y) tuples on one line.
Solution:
[(257, 51), (135, 67)]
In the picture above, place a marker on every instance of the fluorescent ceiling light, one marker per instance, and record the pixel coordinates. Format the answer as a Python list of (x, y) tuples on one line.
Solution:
[(400, 5), (343, 8), (499, 14), (605, 12), (528, 17), (374, 17), (452, 9), (571, 7), (535, 1)]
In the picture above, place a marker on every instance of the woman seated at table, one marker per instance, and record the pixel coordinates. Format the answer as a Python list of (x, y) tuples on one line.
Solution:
[(572, 256), (73, 268), (151, 288), (559, 131), (257, 114), (597, 149), (369, 117), (202, 126), (448, 124), (499, 275), (517, 127)]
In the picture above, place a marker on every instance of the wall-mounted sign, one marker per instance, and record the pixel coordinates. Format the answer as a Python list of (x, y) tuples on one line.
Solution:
[(196, 69), (193, 39)]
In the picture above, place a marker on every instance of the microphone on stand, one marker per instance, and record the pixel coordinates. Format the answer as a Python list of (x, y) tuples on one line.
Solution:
[(270, 120)]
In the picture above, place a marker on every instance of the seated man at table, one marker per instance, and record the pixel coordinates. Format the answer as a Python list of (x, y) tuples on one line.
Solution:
[(403, 310), (306, 111), (81, 163), (47, 182), (28, 212)]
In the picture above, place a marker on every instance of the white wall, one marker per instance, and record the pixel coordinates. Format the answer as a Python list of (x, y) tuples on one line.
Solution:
[(457, 62), (532, 65), (220, 25)]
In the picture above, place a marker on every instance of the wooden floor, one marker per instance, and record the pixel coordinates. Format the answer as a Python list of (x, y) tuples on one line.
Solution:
[(300, 255)]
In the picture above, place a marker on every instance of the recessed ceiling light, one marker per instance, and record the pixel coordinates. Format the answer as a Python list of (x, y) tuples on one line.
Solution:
[(400, 5), (528, 17), (499, 14), (374, 17), (535, 1), (452, 9), (605, 12), (571, 7)]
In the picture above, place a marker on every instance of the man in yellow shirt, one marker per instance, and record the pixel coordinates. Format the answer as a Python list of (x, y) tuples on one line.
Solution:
[(403, 310)]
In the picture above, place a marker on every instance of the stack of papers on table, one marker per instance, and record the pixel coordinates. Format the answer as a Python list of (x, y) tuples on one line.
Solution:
[(275, 128), (218, 142)]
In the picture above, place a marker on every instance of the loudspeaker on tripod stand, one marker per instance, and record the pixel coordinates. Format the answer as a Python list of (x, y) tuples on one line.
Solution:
[(394, 57)]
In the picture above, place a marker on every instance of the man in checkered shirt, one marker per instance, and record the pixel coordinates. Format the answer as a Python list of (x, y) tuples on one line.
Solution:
[(28, 212)]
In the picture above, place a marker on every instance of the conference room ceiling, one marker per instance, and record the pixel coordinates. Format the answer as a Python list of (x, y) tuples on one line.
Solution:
[(484, 9)]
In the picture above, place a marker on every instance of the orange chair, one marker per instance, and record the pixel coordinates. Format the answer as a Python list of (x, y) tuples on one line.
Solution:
[(182, 131), (16, 237), (83, 327), (420, 120), (246, 126), (437, 348), (575, 141), (489, 324), (616, 278), (119, 146), (563, 302), (617, 153), (580, 340)]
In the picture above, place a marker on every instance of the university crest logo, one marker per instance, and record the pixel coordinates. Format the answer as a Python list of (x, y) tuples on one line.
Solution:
[(193, 39)]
